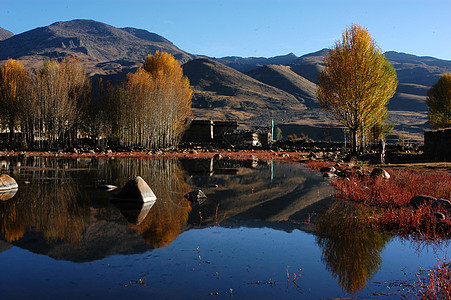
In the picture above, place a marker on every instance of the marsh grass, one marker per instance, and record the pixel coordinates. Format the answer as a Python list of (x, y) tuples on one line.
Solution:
[(388, 199)]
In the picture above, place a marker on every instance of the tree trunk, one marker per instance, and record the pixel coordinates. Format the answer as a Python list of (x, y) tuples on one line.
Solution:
[(354, 141), (11, 131)]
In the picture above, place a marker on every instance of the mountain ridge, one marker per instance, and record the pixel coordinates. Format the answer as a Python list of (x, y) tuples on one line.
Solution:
[(281, 87)]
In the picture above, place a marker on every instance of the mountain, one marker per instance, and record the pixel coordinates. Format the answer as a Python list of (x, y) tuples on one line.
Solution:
[(102, 48), (221, 92), (5, 34), (245, 64), (282, 77), (251, 89)]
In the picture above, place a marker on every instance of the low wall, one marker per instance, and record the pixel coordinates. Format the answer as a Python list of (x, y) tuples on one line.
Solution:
[(437, 144)]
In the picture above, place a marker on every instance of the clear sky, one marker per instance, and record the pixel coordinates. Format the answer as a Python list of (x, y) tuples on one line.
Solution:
[(254, 27)]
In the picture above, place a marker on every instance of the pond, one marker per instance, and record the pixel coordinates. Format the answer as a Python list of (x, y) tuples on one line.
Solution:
[(62, 238)]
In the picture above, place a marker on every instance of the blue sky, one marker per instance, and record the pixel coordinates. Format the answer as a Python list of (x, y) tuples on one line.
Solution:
[(254, 27)]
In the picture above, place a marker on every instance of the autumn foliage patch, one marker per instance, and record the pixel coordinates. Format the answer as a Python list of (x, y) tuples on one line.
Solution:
[(388, 199)]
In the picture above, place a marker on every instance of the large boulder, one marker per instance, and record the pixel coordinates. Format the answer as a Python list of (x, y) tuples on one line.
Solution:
[(7, 183), (419, 200), (135, 190), (8, 187)]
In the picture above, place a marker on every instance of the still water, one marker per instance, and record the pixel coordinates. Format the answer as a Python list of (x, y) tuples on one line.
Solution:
[(61, 238)]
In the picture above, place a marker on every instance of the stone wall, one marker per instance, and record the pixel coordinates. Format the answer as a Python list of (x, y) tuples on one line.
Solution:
[(437, 144)]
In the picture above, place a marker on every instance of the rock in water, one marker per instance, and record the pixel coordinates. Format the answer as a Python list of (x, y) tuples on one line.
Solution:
[(134, 212), (196, 196), (107, 187), (135, 190), (7, 183)]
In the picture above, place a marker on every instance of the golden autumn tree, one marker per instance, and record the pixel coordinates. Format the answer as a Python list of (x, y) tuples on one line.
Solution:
[(14, 91), (439, 102), (158, 101), (357, 82)]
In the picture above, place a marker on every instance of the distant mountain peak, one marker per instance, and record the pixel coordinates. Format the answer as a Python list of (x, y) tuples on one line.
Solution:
[(5, 34), (103, 48)]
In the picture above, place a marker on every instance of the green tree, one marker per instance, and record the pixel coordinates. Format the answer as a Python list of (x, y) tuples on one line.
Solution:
[(357, 82), (439, 102)]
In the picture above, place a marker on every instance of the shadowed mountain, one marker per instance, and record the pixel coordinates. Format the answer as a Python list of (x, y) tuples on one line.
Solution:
[(245, 64), (102, 48), (233, 94), (5, 34), (282, 77)]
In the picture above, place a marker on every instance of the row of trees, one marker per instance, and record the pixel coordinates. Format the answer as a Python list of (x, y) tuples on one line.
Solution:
[(55, 107)]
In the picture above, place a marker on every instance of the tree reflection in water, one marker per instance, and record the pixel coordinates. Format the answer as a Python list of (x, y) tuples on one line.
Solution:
[(51, 203), (165, 220), (57, 201), (350, 252)]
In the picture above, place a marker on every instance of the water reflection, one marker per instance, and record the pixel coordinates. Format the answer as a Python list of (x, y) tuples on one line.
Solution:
[(56, 199), (351, 253), (52, 203), (166, 218)]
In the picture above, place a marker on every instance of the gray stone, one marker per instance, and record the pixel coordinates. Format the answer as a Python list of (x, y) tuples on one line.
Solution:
[(7, 183), (312, 155), (196, 196), (329, 175), (439, 216), (419, 200), (327, 170), (107, 187), (380, 172), (135, 190), (442, 203)]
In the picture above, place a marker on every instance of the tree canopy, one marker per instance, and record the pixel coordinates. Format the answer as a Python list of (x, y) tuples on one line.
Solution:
[(357, 82), (439, 102)]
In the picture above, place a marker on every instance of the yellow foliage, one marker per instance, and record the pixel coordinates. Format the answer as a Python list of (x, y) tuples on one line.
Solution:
[(357, 81), (158, 102)]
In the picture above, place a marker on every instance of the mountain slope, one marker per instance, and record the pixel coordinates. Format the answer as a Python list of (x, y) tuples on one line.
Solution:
[(225, 93), (282, 77), (92, 42), (5, 34)]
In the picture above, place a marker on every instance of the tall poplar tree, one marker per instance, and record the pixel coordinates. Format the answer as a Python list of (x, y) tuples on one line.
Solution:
[(439, 102), (357, 82), (14, 90), (158, 101)]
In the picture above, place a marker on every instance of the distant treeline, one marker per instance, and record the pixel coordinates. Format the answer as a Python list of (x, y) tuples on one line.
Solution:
[(56, 106)]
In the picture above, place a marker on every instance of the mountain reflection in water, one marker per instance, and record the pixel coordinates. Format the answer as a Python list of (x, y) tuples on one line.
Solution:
[(256, 225), (59, 212)]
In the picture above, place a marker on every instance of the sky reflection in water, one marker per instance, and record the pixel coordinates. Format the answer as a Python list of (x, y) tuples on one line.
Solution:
[(70, 242)]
